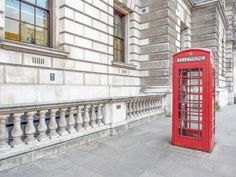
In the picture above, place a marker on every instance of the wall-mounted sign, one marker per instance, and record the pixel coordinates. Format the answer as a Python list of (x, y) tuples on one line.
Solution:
[(186, 59)]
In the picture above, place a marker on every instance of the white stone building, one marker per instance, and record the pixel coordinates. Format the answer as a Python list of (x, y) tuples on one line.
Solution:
[(104, 60)]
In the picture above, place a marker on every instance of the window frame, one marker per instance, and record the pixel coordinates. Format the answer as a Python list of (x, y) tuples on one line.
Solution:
[(49, 22), (122, 15)]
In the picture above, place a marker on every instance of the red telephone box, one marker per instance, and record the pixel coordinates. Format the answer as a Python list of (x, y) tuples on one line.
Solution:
[(193, 121)]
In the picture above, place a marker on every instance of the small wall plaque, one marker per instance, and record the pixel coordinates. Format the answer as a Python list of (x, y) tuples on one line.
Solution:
[(118, 107), (52, 76)]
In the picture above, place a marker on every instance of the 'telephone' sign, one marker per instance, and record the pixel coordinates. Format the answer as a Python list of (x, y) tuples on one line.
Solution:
[(186, 59)]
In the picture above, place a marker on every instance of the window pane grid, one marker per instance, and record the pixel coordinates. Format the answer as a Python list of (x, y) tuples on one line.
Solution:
[(118, 39), (190, 104), (33, 21)]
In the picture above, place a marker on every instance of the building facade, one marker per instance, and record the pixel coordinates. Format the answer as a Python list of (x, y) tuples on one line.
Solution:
[(60, 52), (69, 50)]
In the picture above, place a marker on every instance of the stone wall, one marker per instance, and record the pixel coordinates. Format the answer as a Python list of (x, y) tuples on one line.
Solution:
[(161, 21), (80, 60), (230, 57), (208, 31)]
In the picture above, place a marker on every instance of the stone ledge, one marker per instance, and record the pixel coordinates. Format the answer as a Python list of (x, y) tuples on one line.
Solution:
[(33, 49), (123, 65)]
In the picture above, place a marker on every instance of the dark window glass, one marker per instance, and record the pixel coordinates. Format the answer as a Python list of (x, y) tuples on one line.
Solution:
[(31, 1), (27, 21), (118, 36)]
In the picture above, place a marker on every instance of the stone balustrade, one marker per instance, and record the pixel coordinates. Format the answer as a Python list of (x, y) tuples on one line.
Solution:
[(28, 130), (27, 126), (143, 106)]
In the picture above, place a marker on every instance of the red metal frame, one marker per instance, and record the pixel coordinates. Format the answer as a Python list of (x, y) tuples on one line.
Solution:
[(193, 121)]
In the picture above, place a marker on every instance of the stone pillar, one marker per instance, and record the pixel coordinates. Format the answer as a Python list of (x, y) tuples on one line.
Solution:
[(30, 128), (79, 119), (3, 133), (42, 127), (86, 117), (93, 116), (52, 124), (99, 115), (71, 121), (16, 131), (62, 123)]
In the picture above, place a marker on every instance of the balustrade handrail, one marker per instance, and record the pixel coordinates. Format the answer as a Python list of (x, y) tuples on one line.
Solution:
[(65, 104)]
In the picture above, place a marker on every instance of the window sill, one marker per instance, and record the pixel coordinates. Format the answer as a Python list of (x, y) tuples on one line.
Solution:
[(33, 49), (123, 65)]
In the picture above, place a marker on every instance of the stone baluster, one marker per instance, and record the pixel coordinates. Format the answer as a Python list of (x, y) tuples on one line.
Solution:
[(152, 105), (52, 124), (131, 110), (138, 108), (127, 110), (17, 131), (71, 121), (134, 109), (86, 117), (93, 116), (146, 106), (157, 104), (62, 122), (30, 128), (79, 119), (141, 107), (3, 132), (42, 127), (149, 106), (99, 115)]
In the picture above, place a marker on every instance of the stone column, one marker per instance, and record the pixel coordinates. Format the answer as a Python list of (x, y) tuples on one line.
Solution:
[(62, 123), (30, 128), (42, 128), (79, 119), (71, 121), (52, 124), (131, 109), (16, 131), (3, 133), (99, 115), (93, 116), (86, 117), (140, 107), (127, 110)]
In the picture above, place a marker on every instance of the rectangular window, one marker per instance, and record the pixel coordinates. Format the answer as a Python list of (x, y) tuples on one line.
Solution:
[(27, 21), (118, 36)]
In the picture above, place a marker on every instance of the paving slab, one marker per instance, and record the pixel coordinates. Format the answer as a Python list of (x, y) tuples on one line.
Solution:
[(144, 151)]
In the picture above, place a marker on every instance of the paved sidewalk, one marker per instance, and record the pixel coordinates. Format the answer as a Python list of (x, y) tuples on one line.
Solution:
[(144, 151)]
